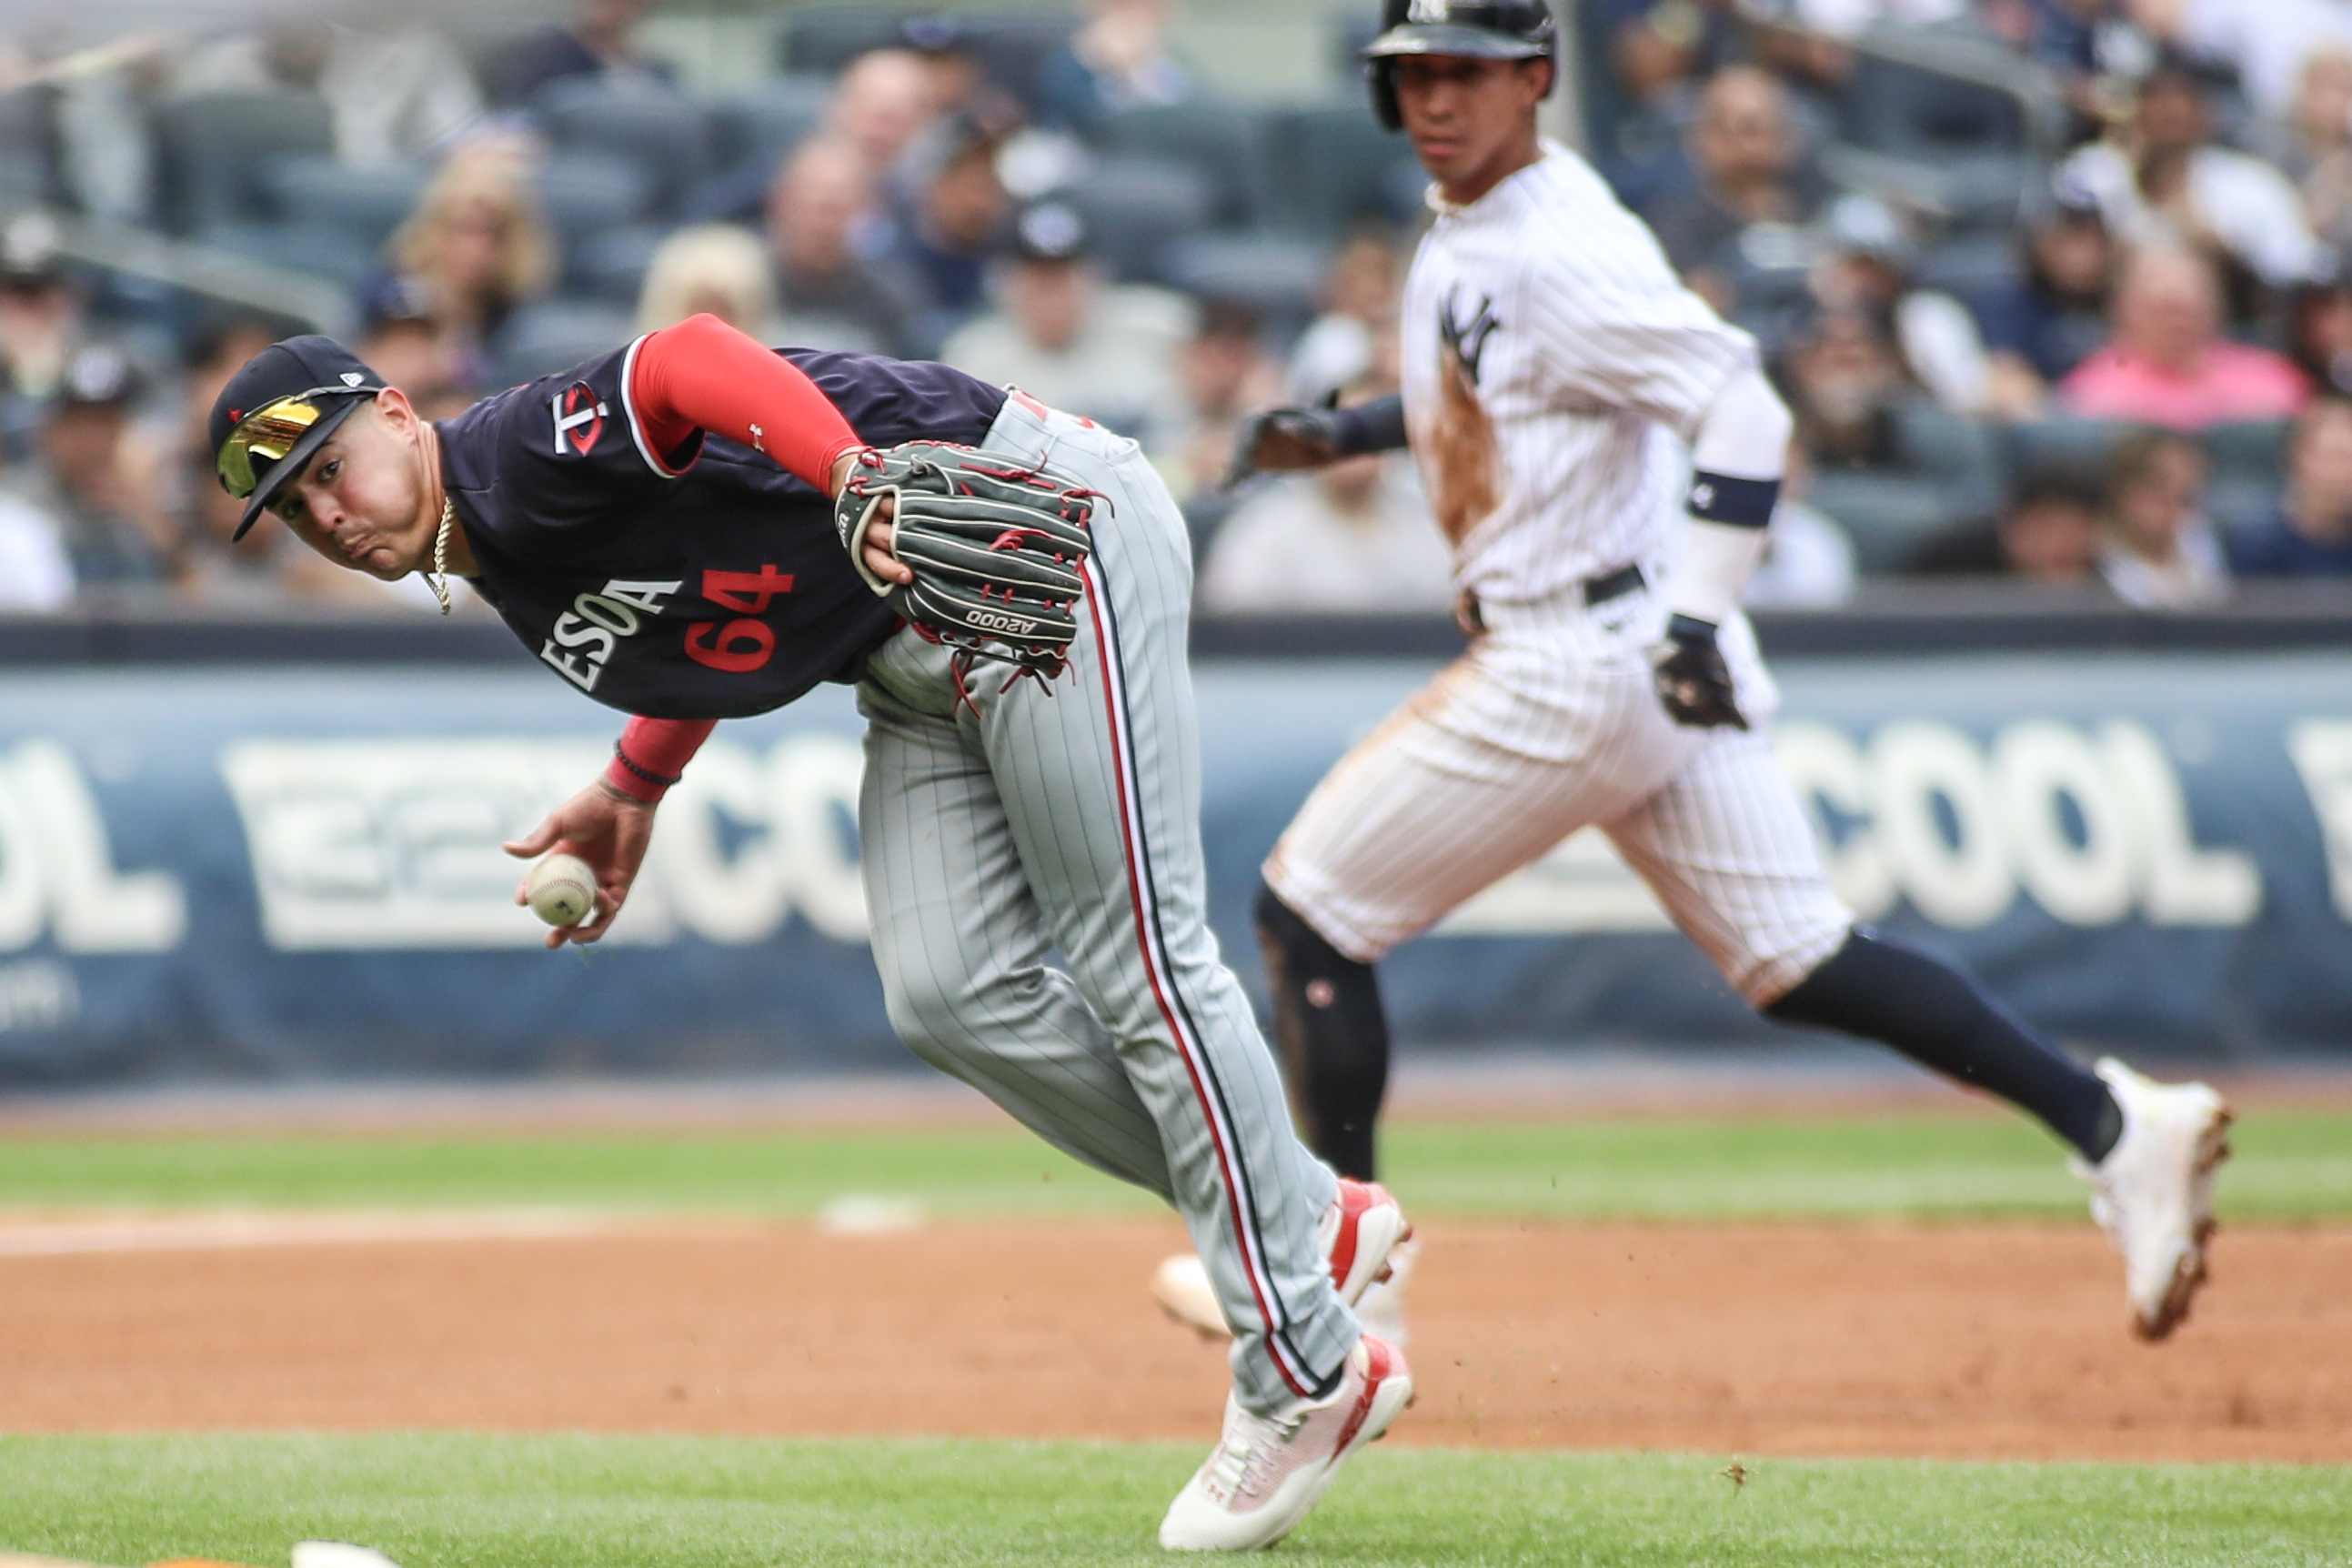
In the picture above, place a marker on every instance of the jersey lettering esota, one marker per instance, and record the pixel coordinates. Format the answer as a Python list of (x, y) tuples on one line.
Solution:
[(1551, 358), (699, 583)]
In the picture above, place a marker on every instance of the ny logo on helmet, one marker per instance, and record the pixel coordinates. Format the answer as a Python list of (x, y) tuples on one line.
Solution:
[(1429, 12)]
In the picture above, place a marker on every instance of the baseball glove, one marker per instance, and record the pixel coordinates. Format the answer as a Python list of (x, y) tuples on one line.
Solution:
[(995, 544)]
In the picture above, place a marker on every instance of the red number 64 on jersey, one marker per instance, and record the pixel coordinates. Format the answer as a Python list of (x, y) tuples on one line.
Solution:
[(742, 646)]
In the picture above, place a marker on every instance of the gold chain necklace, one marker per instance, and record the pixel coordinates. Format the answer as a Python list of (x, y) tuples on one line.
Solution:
[(440, 578)]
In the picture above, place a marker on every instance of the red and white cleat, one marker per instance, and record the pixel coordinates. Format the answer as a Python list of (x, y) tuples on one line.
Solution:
[(1267, 1471), (1360, 1235)]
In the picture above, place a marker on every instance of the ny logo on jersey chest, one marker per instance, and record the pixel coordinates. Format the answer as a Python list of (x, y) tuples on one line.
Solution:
[(1465, 337)]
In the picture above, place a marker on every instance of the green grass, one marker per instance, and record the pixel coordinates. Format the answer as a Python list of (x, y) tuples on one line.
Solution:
[(2290, 1166), (434, 1499)]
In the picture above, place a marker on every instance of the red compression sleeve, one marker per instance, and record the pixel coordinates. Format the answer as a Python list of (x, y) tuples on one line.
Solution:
[(652, 754), (703, 374)]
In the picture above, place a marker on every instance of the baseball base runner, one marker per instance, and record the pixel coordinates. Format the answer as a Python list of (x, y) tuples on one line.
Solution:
[(1604, 453), (695, 527)]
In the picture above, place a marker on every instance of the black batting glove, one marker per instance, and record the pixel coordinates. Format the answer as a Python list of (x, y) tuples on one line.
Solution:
[(1285, 439), (1694, 683)]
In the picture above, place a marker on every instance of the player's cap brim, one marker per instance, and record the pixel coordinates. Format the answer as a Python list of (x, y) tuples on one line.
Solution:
[(1444, 38), (297, 458)]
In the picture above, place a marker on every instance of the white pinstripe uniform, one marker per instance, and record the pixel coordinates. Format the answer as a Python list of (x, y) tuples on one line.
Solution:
[(1553, 367)]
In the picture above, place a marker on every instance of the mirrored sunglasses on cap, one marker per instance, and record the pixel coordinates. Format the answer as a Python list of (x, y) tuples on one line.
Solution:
[(270, 431)]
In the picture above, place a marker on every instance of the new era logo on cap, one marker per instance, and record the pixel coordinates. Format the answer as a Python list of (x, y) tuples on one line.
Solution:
[(353, 378)]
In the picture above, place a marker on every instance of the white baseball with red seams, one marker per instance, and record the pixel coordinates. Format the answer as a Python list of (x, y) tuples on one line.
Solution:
[(561, 889)]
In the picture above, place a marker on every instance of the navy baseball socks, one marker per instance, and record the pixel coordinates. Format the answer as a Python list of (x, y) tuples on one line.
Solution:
[(1332, 1033), (1334, 1037), (1940, 1019)]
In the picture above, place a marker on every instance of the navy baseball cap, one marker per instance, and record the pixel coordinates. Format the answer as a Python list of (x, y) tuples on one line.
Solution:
[(1051, 231), (1484, 30), (278, 411)]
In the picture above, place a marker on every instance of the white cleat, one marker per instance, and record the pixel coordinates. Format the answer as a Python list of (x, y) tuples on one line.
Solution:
[(2153, 1194), (1382, 1312), (1267, 1471), (1362, 1234), (1182, 1289)]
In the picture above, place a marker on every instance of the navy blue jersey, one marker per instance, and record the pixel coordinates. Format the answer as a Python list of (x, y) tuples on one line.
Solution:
[(703, 583)]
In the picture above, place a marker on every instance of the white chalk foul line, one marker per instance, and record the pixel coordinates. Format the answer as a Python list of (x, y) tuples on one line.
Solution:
[(56, 1238)]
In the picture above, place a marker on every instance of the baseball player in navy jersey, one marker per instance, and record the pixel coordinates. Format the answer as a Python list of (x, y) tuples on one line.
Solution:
[(1604, 453), (658, 526)]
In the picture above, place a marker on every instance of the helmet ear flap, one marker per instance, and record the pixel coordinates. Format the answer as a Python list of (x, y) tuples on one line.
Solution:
[(1381, 75)]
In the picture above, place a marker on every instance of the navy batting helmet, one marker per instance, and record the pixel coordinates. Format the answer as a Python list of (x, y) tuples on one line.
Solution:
[(1484, 30)]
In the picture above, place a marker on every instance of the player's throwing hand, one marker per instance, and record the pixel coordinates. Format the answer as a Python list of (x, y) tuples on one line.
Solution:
[(1694, 682), (606, 829)]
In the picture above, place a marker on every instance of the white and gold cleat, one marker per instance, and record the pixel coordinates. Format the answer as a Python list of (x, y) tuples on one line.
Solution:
[(2153, 1195)]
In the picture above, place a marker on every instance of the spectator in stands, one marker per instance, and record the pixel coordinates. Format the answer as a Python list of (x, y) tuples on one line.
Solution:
[(959, 83), (2263, 42), (394, 94), (2314, 146), (35, 573), (939, 254), (712, 267), (2048, 533), (2168, 363), (2088, 43), (1068, 338), (1845, 385), (2157, 549), (1659, 51), (1360, 304), (1223, 374), (39, 314), (208, 568), (2039, 329), (1865, 265), (40, 318), (1356, 537), (476, 249), (602, 37), (2310, 536), (86, 482), (400, 338), (1120, 59), (882, 100), (1752, 197), (2320, 334), (1808, 561), (830, 296), (2162, 181)]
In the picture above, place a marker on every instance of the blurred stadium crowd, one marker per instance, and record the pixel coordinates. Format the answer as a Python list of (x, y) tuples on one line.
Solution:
[(2057, 288)]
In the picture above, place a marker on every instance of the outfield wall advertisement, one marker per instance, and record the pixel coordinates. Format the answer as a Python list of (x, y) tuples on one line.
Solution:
[(291, 871)]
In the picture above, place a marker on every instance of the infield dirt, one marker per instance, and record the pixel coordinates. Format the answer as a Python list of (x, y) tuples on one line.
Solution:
[(1979, 1340)]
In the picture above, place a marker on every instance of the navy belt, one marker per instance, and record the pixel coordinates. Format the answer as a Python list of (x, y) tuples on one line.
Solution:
[(1614, 586)]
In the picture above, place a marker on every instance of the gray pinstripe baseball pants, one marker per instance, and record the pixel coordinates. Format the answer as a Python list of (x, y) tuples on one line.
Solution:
[(995, 831)]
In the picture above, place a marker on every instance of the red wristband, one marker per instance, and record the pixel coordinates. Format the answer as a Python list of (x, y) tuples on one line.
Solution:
[(652, 754)]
